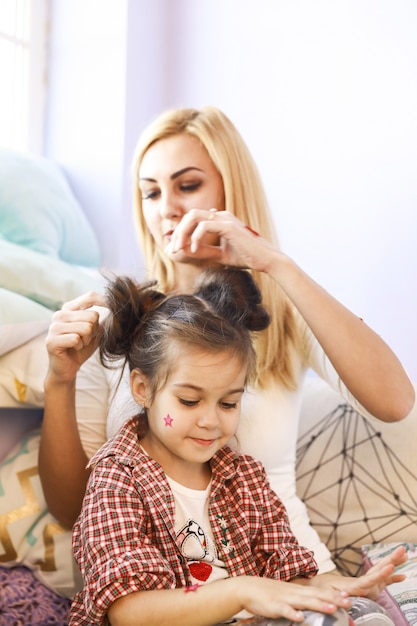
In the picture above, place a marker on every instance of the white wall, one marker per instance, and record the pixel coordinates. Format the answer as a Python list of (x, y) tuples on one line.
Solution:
[(325, 94), (85, 127)]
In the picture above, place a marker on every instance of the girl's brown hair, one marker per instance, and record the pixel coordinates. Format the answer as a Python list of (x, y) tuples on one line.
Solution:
[(145, 327)]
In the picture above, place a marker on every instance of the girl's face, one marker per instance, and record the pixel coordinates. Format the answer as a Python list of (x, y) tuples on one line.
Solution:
[(194, 414), (175, 176)]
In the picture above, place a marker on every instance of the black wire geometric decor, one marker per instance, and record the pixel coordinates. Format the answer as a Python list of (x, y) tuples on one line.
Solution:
[(356, 487)]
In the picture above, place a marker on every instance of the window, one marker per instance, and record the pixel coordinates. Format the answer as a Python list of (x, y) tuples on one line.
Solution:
[(23, 34)]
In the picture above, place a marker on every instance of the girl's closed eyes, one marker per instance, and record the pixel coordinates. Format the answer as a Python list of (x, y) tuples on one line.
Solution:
[(188, 402), (224, 405), (229, 405)]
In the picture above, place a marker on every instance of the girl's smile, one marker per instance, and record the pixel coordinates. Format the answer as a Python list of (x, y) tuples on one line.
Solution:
[(203, 442)]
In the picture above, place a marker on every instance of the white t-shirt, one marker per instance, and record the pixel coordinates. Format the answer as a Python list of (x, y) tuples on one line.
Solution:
[(194, 534), (195, 537)]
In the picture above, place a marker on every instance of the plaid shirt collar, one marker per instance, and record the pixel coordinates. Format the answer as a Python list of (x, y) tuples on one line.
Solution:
[(126, 448)]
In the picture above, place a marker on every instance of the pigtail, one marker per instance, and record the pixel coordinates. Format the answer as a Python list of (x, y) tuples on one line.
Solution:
[(234, 295), (129, 304)]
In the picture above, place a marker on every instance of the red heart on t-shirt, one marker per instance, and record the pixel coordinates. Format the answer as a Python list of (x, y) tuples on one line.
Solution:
[(200, 570)]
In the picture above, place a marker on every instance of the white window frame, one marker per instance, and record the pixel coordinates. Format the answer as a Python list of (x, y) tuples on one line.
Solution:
[(29, 116)]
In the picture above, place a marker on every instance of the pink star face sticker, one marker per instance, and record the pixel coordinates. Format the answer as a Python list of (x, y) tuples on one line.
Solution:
[(168, 420)]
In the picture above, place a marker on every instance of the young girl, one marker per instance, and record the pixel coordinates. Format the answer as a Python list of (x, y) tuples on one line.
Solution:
[(176, 527)]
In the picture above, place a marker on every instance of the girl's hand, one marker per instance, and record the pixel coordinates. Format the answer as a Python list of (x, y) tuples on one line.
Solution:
[(235, 243), (74, 335), (276, 598), (374, 581)]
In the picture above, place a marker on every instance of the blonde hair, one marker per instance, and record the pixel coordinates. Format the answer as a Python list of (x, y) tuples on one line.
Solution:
[(245, 198)]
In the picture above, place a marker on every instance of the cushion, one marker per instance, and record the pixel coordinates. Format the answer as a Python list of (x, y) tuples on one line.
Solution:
[(22, 374), (25, 600), (16, 309), (340, 618), (357, 476), (42, 279), (34, 186), (14, 423), (399, 599), (29, 534), (13, 335)]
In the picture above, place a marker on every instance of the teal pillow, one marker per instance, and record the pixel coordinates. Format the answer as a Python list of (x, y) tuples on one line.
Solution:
[(39, 211), (43, 279), (16, 309)]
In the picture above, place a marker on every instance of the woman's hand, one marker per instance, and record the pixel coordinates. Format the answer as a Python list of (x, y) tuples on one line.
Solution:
[(237, 245), (74, 335), (373, 582)]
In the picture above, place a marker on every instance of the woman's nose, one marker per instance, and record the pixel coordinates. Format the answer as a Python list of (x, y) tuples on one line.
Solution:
[(170, 207)]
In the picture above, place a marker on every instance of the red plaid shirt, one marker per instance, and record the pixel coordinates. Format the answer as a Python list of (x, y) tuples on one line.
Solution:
[(125, 541)]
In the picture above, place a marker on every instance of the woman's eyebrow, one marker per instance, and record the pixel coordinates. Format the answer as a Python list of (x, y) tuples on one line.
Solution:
[(185, 169), (174, 175)]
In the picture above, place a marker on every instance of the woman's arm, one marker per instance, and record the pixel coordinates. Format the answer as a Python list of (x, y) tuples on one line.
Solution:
[(364, 362), (71, 340), (62, 460)]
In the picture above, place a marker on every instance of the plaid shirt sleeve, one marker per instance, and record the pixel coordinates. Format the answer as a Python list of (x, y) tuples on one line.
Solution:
[(254, 534), (112, 544), (276, 548)]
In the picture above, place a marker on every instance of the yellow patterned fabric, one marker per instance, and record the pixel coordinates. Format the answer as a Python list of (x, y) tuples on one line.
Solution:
[(29, 534), (23, 371)]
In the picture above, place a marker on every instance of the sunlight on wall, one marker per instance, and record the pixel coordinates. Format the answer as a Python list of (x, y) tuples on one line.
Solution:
[(23, 40)]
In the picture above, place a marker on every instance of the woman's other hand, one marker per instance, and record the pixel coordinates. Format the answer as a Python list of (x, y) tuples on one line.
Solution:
[(74, 335)]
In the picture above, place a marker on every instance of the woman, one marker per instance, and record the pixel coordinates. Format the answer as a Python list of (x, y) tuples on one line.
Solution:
[(200, 202)]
